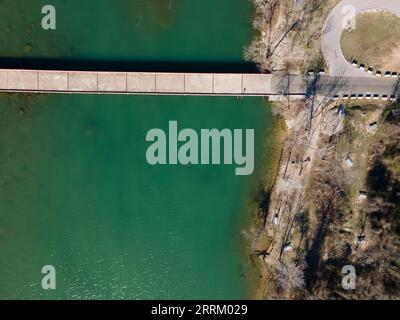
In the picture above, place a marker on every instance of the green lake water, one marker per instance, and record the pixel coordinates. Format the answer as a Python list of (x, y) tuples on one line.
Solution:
[(76, 191)]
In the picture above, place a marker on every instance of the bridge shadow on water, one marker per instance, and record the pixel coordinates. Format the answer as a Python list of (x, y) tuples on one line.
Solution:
[(129, 66)]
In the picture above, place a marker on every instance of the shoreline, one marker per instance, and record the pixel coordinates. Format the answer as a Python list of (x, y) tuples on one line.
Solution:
[(298, 141), (264, 184), (328, 205)]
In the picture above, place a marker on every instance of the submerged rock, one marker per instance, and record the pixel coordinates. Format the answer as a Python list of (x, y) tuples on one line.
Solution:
[(27, 48)]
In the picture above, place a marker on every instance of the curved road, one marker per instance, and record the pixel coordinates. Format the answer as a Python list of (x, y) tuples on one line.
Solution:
[(332, 31)]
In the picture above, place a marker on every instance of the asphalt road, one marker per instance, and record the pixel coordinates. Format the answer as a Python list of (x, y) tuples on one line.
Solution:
[(329, 86)]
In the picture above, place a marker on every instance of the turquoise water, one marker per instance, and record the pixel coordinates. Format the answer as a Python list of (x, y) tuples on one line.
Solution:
[(76, 191), (128, 30)]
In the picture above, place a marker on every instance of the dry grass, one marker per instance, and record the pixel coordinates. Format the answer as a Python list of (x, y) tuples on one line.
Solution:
[(372, 44), (288, 36), (376, 262)]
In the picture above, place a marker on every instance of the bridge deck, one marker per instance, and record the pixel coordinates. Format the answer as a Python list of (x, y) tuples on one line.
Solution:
[(134, 83), (218, 84)]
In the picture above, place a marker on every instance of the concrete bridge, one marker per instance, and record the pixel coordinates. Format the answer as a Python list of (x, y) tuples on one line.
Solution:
[(134, 83), (212, 84)]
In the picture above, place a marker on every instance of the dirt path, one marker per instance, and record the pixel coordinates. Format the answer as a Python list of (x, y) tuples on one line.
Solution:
[(288, 196)]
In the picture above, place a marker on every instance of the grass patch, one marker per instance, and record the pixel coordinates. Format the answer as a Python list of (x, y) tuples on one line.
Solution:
[(375, 40), (355, 143)]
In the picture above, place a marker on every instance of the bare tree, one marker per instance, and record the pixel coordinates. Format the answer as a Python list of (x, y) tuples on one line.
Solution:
[(291, 276)]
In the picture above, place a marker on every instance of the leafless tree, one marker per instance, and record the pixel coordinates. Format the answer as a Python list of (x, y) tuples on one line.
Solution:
[(291, 276)]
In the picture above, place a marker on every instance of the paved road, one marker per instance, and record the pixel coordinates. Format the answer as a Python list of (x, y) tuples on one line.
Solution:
[(333, 28), (277, 84), (329, 86)]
